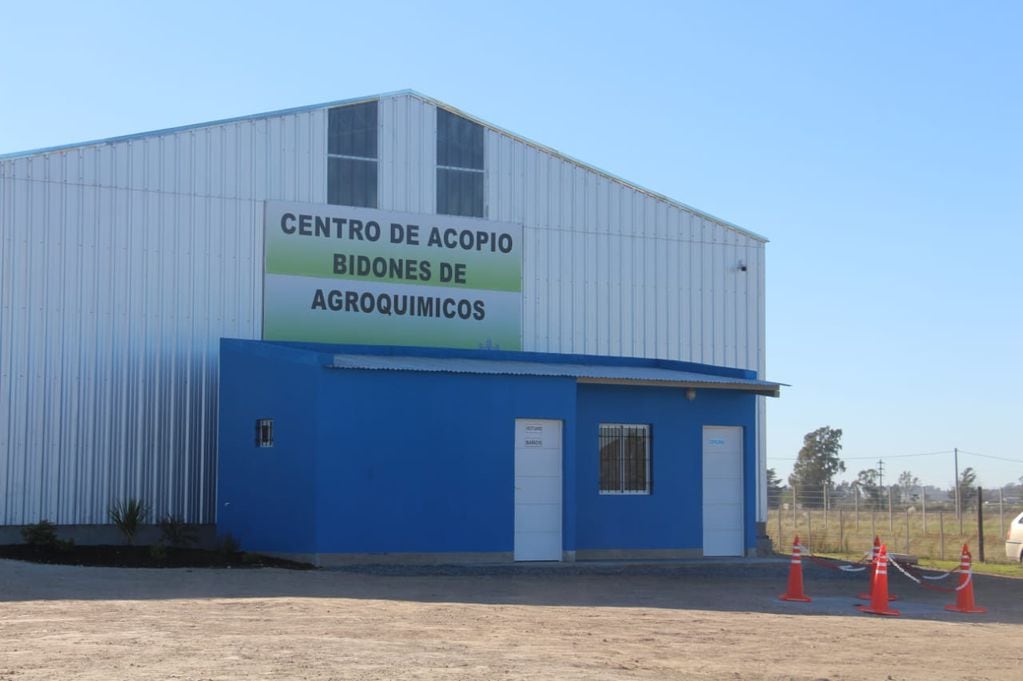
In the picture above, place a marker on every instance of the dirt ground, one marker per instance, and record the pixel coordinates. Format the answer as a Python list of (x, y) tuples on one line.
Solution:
[(610, 622)]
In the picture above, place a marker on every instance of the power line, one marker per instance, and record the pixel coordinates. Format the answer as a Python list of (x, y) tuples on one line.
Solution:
[(880, 464), (865, 458), (904, 456), (991, 456), (900, 456)]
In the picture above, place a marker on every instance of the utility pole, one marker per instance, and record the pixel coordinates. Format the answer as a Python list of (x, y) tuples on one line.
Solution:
[(880, 473)]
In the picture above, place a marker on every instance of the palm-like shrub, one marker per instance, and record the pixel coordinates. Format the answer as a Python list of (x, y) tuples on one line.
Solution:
[(128, 516), (174, 531)]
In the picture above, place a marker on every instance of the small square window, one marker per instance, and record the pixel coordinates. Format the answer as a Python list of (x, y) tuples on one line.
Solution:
[(351, 182), (459, 192), (459, 141), (624, 459), (352, 130), (264, 432)]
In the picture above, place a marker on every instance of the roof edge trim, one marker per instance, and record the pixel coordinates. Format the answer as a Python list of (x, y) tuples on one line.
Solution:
[(764, 388), (588, 166), (206, 124), (580, 373)]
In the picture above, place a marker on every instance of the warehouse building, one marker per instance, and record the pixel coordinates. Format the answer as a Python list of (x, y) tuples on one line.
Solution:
[(378, 326)]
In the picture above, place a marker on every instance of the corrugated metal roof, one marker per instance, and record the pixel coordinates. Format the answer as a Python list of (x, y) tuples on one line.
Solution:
[(198, 126), (398, 93), (584, 373)]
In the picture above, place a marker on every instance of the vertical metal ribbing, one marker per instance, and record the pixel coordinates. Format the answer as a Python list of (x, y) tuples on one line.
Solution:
[(123, 264)]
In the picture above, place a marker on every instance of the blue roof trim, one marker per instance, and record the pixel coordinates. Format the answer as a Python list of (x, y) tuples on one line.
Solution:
[(597, 367), (588, 373)]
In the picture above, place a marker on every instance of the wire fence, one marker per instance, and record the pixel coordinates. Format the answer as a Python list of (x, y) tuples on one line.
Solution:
[(827, 522)]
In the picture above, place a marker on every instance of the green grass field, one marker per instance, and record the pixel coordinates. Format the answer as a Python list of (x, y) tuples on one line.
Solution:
[(847, 534)]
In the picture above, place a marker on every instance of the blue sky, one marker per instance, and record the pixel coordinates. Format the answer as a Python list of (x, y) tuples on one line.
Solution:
[(878, 146)]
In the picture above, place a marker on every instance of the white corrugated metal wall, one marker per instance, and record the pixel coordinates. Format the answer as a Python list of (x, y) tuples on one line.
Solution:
[(123, 263), (612, 270), (122, 266)]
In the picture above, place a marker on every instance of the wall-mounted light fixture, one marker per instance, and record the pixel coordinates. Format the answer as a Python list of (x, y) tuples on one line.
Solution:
[(690, 394)]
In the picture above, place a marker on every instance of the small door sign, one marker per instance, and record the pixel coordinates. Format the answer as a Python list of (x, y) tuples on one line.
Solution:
[(533, 435)]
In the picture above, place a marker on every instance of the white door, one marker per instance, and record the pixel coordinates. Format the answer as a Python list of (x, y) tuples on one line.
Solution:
[(722, 491), (537, 489)]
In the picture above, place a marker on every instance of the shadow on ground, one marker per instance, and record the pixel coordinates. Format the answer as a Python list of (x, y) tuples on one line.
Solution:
[(748, 586)]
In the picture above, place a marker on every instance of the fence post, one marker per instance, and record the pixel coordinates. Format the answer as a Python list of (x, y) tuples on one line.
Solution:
[(980, 522), (1001, 512), (907, 530), (941, 534), (825, 496), (809, 530), (962, 511), (781, 541), (856, 508), (795, 522), (923, 500), (873, 522), (891, 517), (841, 531)]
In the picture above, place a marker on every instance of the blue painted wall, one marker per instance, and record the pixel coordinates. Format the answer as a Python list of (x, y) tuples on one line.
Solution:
[(264, 494), (386, 461), (671, 516), (415, 462)]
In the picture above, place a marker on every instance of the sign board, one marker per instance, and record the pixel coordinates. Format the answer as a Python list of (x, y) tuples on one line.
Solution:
[(337, 274), (533, 436)]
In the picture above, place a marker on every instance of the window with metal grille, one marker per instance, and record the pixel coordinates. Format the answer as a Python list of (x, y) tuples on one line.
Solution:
[(264, 432), (352, 155), (459, 165), (624, 459)]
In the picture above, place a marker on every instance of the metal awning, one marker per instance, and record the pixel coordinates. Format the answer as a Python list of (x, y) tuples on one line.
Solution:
[(613, 374)]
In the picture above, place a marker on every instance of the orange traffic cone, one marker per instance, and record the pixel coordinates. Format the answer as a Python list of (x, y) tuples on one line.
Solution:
[(873, 571), (795, 590), (964, 593), (879, 593), (873, 568)]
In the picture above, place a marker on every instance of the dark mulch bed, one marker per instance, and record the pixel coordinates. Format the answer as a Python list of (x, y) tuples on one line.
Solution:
[(142, 556)]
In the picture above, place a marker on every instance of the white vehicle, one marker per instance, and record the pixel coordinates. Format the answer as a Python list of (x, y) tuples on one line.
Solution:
[(1014, 539)]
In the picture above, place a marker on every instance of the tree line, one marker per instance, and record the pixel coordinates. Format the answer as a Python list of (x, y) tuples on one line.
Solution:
[(818, 462)]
